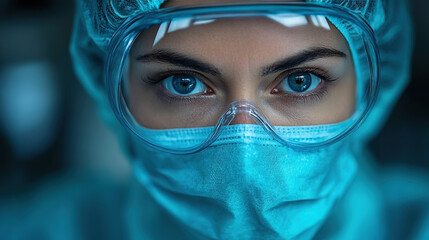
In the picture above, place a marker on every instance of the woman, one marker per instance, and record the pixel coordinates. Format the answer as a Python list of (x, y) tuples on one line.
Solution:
[(241, 120)]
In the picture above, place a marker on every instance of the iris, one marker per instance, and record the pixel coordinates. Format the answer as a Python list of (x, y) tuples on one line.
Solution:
[(184, 84), (300, 82)]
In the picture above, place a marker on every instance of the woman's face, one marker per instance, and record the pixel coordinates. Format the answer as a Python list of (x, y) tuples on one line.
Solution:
[(301, 75)]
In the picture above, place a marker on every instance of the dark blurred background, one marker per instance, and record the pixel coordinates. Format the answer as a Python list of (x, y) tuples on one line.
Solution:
[(49, 127)]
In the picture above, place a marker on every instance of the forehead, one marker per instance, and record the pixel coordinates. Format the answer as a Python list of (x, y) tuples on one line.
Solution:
[(177, 3)]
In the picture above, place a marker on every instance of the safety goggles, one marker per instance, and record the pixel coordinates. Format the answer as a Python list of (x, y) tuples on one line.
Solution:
[(284, 66)]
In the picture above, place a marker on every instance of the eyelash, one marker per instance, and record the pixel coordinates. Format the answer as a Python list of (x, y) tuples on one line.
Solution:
[(310, 97), (313, 96), (168, 97), (159, 77)]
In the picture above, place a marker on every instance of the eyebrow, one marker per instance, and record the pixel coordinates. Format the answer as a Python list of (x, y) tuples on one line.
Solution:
[(168, 56), (178, 59), (302, 57)]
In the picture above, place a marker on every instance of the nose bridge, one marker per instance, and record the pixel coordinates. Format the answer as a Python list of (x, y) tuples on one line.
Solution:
[(242, 89), (242, 83)]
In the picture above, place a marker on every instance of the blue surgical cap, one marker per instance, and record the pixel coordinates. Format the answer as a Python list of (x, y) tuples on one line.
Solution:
[(97, 20)]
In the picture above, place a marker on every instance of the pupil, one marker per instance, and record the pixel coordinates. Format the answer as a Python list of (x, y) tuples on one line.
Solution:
[(299, 83), (184, 84)]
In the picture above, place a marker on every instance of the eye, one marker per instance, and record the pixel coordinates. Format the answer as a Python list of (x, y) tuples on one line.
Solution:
[(300, 82), (184, 85)]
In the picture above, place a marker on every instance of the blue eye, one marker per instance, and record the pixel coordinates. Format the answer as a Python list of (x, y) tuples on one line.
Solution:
[(300, 82), (184, 85)]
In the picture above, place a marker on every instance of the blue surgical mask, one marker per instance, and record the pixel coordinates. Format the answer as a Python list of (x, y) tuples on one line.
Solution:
[(246, 185)]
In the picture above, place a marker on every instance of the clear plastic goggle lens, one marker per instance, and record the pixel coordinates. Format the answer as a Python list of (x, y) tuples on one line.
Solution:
[(198, 72)]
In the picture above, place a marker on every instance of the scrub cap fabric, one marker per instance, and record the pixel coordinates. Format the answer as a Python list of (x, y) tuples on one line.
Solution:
[(96, 21)]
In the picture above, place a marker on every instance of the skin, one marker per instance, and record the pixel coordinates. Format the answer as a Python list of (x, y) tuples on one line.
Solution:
[(241, 49)]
